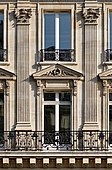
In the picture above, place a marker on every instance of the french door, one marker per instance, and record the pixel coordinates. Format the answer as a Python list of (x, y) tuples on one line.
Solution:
[(57, 115)]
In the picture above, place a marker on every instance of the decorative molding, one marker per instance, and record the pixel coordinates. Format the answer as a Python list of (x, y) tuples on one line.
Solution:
[(7, 86), (57, 72), (90, 15), (105, 84), (23, 15), (74, 87), (1, 85), (38, 87)]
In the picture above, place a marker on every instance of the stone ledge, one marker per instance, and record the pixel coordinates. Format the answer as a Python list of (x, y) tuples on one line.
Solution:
[(55, 162)]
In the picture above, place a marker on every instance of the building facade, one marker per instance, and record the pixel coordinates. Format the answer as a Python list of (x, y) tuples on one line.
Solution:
[(55, 83)]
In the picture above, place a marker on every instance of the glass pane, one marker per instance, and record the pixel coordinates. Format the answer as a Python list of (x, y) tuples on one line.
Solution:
[(64, 124), (64, 117), (64, 31), (49, 96), (111, 30), (110, 96), (64, 97), (1, 111), (110, 117), (49, 31), (49, 124)]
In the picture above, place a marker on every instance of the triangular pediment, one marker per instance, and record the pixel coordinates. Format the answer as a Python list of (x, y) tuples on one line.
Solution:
[(106, 74), (57, 71), (7, 75)]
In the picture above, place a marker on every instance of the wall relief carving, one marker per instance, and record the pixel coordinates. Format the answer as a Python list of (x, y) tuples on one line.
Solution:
[(23, 15), (57, 73), (90, 15)]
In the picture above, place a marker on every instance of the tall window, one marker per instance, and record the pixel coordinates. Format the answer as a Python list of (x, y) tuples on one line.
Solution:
[(57, 36), (57, 113)]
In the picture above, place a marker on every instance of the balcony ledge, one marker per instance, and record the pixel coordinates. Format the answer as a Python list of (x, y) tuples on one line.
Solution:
[(57, 62), (107, 62)]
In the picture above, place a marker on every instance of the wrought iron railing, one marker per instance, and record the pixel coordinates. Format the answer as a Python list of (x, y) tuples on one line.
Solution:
[(107, 55), (65, 141), (56, 55), (3, 55)]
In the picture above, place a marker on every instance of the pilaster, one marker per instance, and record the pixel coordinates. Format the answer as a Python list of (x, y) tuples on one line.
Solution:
[(90, 17), (23, 111)]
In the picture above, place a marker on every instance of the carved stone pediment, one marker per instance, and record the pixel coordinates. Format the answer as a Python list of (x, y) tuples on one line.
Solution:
[(57, 71), (6, 75), (105, 75)]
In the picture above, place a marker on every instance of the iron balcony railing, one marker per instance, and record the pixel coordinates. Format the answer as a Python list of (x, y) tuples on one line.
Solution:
[(65, 141), (3, 55), (107, 55), (56, 55)]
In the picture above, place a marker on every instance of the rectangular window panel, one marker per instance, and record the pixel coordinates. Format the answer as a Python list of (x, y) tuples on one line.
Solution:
[(64, 97), (110, 117), (64, 124), (49, 96), (110, 96), (1, 29), (1, 112), (49, 124), (64, 31), (49, 31)]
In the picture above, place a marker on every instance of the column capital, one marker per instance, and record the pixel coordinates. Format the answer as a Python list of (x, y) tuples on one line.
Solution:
[(90, 15), (23, 15)]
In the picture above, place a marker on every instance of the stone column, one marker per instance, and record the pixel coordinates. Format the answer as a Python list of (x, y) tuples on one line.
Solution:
[(23, 110), (90, 16)]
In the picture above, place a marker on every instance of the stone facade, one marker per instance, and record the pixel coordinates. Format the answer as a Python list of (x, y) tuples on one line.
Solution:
[(28, 71)]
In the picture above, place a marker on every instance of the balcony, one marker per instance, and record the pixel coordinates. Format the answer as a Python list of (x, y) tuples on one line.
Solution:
[(66, 140), (3, 55), (66, 55)]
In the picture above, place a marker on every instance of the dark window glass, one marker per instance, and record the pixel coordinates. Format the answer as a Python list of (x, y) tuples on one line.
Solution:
[(110, 96), (64, 96), (49, 96), (1, 111), (49, 124)]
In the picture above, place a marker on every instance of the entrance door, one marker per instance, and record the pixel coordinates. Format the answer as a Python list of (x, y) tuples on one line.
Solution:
[(57, 113)]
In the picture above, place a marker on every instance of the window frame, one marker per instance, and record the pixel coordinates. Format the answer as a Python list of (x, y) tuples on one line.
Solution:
[(47, 8)]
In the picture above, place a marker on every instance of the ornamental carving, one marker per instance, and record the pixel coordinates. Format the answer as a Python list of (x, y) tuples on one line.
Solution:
[(57, 73), (75, 87), (105, 84), (90, 15), (23, 15), (38, 87)]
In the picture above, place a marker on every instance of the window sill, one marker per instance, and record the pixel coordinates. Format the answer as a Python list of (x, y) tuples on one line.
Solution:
[(107, 62), (57, 62), (2, 63)]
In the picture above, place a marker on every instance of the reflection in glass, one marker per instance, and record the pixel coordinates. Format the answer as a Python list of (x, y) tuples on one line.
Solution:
[(64, 96), (49, 123), (64, 31), (49, 96)]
